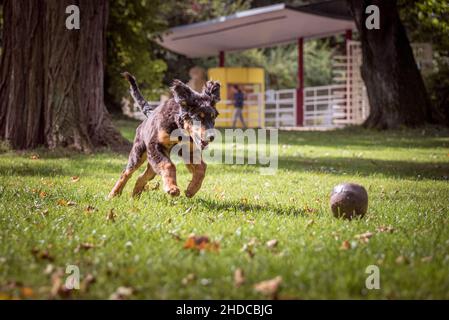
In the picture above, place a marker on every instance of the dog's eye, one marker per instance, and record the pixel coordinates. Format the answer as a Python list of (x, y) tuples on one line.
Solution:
[(202, 115)]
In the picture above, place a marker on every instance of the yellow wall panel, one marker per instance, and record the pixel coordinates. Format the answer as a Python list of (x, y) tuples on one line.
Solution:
[(230, 76)]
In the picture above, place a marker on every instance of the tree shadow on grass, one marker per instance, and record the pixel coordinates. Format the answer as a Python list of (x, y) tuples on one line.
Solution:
[(359, 137), (31, 171), (367, 167), (246, 207), (40, 168)]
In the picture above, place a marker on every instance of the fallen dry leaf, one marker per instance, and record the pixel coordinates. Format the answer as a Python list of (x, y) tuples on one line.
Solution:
[(41, 254), (388, 229), (49, 269), (252, 242), (111, 215), (34, 156), (84, 246), (239, 277), (58, 287), (269, 287), (345, 245), (88, 280), (71, 203), (249, 250), (251, 221), (401, 260), (364, 237), (62, 203), (188, 279), (75, 179), (426, 259), (310, 210), (272, 243), (122, 293), (201, 243), (42, 194), (175, 235), (26, 292), (89, 209), (222, 195), (249, 247)]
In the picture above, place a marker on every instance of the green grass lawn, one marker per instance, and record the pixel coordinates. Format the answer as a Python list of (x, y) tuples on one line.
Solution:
[(49, 220)]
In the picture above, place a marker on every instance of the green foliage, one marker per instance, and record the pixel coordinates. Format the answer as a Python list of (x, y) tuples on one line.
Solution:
[(190, 11), (317, 63), (142, 247), (206, 9), (428, 21), (438, 84), (281, 62), (132, 26), (186, 12)]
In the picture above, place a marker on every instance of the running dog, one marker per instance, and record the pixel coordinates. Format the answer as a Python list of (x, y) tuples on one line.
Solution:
[(190, 112)]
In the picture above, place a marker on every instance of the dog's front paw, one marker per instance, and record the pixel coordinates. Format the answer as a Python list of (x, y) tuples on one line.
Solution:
[(189, 193), (112, 195), (173, 191)]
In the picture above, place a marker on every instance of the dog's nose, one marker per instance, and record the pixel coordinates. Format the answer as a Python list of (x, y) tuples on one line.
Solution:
[(210, 136)]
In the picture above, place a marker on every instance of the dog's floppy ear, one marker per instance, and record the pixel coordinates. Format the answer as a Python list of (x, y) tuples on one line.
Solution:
[(181, 92), (212, 89)]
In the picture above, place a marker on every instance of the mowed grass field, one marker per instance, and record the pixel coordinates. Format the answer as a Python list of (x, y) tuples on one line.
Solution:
[(53, 213)]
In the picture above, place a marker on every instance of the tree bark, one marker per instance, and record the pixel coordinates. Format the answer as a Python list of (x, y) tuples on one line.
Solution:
[(51, 78), (395, 88)]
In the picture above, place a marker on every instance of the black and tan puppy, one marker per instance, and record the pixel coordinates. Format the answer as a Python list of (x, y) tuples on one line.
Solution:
[(189, 110)]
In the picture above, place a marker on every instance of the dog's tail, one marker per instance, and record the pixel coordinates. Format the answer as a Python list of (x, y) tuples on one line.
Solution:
[(144, 106)]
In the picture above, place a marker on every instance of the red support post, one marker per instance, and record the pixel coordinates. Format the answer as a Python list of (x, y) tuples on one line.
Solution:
[(300, 85), (348, 34), (221, 59)]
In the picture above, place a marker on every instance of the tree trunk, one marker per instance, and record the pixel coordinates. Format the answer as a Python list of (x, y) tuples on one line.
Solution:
[(51, 78), (395, 88)]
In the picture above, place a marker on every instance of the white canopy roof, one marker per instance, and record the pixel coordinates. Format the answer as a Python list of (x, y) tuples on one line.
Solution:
[(256, 28)]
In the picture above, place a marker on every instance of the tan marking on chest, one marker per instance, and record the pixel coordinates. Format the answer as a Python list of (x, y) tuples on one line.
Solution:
[(164, 139)]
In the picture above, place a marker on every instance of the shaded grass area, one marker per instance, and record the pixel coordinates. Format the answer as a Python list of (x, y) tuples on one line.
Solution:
[(64, 220)]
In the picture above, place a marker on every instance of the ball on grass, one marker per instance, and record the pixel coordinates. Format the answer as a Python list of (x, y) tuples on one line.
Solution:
[(349, 200)]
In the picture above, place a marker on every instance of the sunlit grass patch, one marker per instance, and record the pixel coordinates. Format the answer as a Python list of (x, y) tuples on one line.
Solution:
[(54, 214)]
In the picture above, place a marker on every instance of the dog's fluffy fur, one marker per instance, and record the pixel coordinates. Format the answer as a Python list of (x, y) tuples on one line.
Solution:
[(153, 143)]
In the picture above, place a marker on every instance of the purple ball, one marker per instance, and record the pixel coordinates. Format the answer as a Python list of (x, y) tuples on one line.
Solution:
[(349, 200)]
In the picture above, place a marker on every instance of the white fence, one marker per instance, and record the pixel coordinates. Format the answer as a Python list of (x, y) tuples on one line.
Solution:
[(341, 103), (346, 71), (321, 105), (280, 108)]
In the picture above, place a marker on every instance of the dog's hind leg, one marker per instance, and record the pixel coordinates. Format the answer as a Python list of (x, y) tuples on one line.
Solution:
[(162, 165), (136, 158), (142, 180)]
